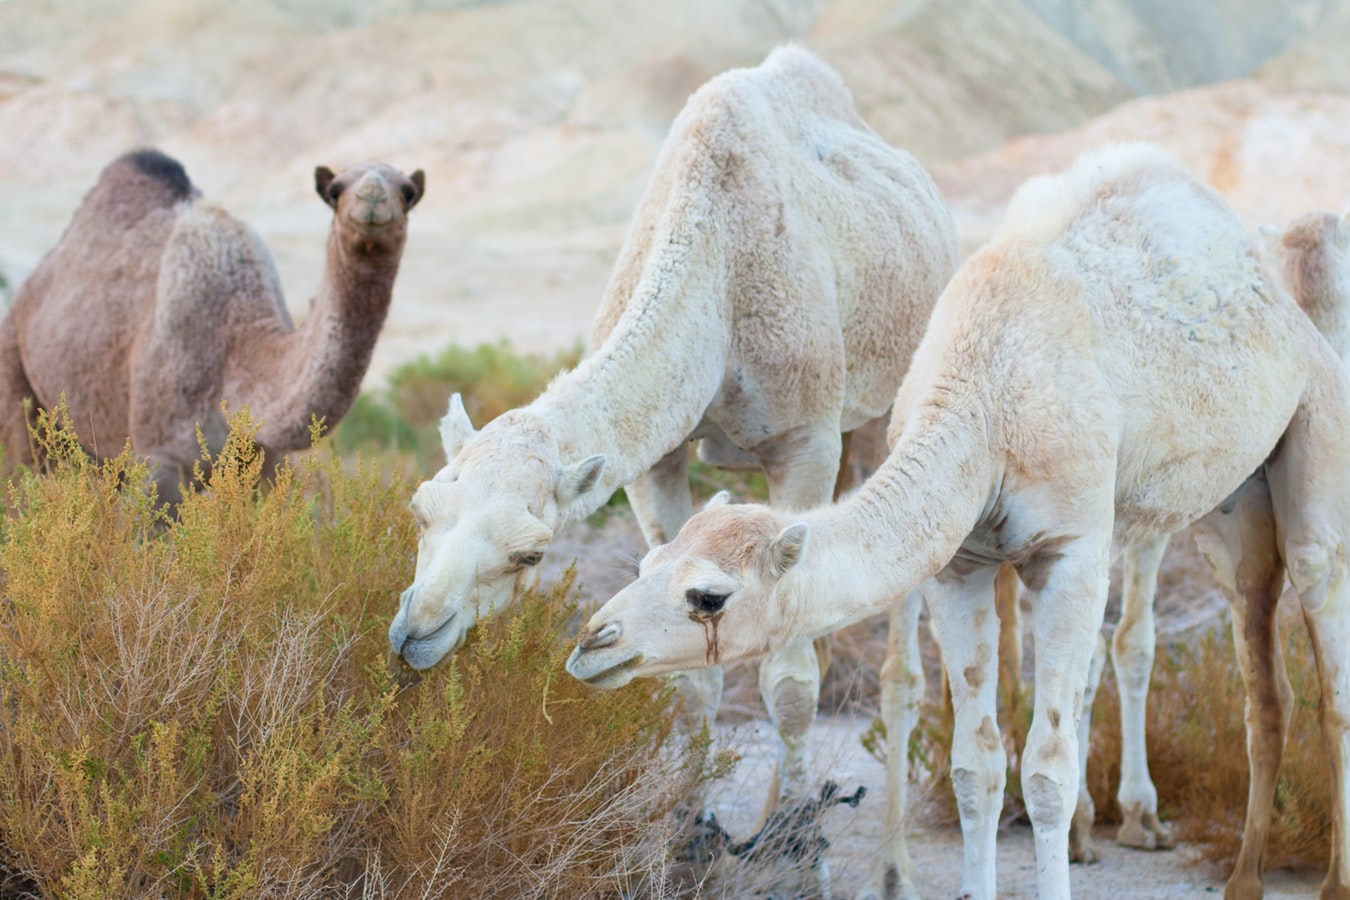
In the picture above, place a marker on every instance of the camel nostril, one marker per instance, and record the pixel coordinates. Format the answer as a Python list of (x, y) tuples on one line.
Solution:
[(602, 638)]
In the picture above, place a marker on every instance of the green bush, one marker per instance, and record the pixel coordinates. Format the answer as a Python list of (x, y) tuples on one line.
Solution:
[(491, 378)]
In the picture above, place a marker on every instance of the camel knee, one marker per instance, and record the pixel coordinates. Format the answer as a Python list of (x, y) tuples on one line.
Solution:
[(979, 793), (1310, 571), (1045, 800), (1049, 770), (792, 705)]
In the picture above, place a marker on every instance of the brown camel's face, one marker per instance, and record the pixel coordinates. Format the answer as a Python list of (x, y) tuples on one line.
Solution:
[(371, 202), (706, 598), (485, 522)]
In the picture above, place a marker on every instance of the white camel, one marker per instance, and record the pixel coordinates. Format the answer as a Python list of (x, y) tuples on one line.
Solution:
[(1311, 255), (1113, 365), (767, 300)]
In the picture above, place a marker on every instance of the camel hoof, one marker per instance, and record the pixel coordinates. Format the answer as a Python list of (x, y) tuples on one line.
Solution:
[(1081, 849), (1145, 832), (1244, 887), (1333, 890), (889, 884), (1084, 853)]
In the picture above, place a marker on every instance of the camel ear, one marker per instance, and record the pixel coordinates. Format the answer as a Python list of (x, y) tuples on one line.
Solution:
[(1269, 239), (411, 195), (579, 478), (721, 498), (323, 183), (787, 548), (456, 429)]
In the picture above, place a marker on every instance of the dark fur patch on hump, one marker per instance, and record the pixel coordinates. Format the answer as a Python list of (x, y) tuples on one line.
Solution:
[(163, 168)]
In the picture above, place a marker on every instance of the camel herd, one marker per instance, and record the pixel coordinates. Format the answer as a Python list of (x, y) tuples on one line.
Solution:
[(1122, 359)]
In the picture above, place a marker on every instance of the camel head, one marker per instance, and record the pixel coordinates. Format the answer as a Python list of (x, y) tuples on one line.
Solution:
[(485, 521), (705, 598), (1312, 248), (1313, 255), (371, 203)]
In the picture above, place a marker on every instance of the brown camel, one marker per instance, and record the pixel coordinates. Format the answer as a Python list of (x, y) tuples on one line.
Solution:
[(156, 308)]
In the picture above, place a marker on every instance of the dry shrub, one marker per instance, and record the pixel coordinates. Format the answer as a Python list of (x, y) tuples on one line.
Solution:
[(202, 707), (1197, 751)]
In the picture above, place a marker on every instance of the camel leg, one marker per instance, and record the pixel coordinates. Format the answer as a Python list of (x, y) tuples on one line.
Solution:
[(662, 503), (1240, 544), (661, 499), (1007, 603), (1069, 596), (967, 631), (1132, 650), (1309, 492), (801, 469), (1081, 848), (902, 685), (14, 390)]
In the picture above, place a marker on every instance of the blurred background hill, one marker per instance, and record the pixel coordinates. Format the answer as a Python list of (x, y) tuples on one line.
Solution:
[(538, 121)]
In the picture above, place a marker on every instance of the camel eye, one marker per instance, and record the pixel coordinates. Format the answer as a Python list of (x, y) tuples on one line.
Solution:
[(705, 603), (528, 559)]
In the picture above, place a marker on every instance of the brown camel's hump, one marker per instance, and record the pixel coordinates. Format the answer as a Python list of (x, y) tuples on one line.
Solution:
[(137, 183)]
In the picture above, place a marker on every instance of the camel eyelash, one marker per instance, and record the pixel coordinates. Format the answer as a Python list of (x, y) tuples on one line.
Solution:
[(628, 564)]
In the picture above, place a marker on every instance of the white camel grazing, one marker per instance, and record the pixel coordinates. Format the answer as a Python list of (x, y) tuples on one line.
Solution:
[(767, 300), (1113, 365)]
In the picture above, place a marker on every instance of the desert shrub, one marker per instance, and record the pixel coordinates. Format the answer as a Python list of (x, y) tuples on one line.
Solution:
[(202, 707)]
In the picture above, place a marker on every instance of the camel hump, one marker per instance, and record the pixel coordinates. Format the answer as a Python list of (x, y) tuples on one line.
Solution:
[(133, 186), (162, 168)]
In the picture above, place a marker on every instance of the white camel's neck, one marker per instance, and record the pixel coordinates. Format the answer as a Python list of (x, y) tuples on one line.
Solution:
[(646, 388), (903, 526), (325, 359)]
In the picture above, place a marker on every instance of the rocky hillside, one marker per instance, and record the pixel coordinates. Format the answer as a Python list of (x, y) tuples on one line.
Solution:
[(537, 121)]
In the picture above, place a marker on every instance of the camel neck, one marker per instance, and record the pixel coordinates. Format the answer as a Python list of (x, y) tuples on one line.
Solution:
[(903, 526), (326, 358), (645, 389)]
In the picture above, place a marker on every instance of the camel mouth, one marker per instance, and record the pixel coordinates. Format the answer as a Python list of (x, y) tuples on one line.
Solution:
[(425, 650), (371, 225), (613, 676)]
